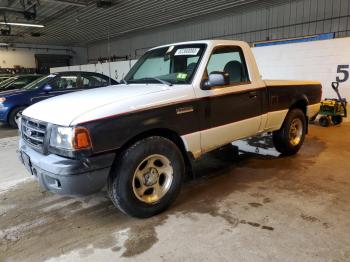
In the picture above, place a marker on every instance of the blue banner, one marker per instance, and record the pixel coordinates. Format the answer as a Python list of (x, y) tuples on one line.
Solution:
[(298, 40)]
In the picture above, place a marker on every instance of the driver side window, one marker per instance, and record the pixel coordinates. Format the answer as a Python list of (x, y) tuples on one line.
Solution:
[(231, 61)]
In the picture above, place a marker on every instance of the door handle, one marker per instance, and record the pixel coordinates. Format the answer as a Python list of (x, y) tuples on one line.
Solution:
[(253, 95)]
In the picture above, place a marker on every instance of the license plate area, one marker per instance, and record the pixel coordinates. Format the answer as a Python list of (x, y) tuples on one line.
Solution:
[(26, 162)]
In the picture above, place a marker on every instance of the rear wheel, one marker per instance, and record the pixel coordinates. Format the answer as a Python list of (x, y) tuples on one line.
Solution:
[(147, 177), (289, 139), (15, 115)]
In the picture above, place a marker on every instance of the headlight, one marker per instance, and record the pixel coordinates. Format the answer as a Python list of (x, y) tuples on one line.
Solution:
[(70, 138), (2, 99)]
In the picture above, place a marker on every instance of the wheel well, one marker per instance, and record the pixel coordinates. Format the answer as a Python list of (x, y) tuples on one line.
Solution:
[(14, 108), (169, 134), (301, 104)]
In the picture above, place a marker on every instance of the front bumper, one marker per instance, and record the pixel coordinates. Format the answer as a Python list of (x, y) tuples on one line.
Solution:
[(67, 176)]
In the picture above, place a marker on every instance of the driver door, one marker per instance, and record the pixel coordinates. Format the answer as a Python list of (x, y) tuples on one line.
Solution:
[(232, 111)]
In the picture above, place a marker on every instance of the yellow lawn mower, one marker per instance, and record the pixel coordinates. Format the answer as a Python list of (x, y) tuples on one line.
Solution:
[(333, 110)]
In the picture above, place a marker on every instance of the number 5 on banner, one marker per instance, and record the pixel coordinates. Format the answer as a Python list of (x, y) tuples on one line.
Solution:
[(344, 70)]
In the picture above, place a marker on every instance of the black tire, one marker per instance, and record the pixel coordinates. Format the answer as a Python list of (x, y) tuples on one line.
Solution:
[(121, 184), (337, 120), (13, 116), (324, 121), (282, 139)]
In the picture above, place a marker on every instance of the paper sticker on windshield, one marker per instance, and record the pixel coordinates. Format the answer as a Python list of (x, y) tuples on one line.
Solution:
[(187, 51), (181, 76)]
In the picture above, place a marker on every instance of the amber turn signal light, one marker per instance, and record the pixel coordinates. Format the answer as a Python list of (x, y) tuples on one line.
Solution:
[(82, 138)]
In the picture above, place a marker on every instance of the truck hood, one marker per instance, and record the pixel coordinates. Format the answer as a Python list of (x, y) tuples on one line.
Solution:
[(62, 110)]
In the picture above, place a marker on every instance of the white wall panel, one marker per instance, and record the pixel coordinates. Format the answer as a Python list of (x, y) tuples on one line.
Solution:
[(317, 60), (59, 69), (74, 68)]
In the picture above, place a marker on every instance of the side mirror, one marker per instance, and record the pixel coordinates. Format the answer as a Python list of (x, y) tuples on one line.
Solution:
[(216, 78), (47, 88)]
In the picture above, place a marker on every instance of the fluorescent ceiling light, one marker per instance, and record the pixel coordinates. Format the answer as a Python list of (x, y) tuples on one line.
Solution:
[(21, 24), (4, 44)]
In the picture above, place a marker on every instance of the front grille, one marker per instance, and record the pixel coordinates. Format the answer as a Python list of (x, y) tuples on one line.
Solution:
[(33, 132)]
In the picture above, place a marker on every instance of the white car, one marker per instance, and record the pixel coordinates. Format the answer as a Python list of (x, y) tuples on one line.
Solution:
[(178, 102)]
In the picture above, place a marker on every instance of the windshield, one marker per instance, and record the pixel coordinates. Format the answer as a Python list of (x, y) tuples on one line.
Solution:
[(39, 82), (7, 81), (4, 77), (168, 65)]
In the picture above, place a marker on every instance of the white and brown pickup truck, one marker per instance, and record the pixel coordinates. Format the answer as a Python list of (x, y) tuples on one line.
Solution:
[(178, 102)]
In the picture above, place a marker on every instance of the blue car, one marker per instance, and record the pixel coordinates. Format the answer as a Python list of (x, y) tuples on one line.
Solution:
[(13, 102)]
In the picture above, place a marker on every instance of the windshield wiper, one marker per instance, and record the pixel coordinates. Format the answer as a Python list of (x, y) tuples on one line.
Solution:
[(124, 81), (160, 81), (163, 81)]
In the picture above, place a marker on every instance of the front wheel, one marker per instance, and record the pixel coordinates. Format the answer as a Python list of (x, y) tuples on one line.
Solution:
[(324, 121), (289, 139), (147, 177), (15, 115)]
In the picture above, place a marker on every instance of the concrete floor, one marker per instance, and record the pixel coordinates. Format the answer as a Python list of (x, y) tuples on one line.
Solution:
[(256, 207), (7, 131)]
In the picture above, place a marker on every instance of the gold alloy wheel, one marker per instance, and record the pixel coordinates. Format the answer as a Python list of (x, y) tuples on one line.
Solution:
[(296, 132), (152, 179)]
